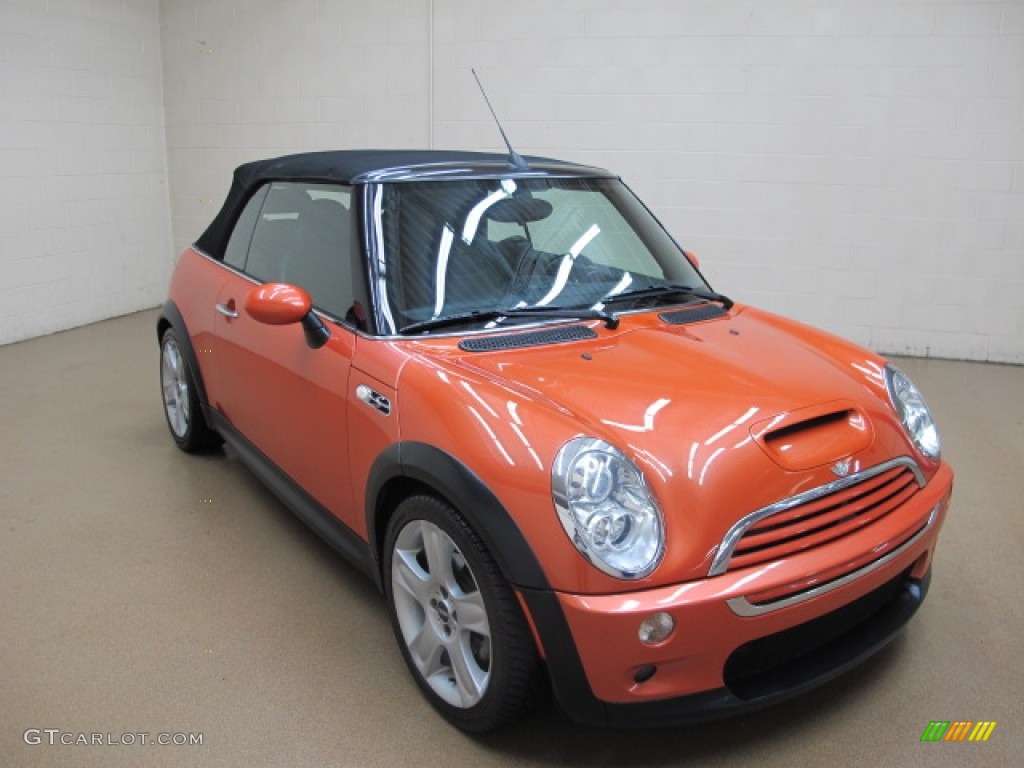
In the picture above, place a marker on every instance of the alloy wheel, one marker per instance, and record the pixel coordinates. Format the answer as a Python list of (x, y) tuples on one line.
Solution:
[(174, 382), (441, 614)]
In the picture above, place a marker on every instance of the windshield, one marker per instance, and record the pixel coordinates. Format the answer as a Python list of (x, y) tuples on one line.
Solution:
[(449, 248)]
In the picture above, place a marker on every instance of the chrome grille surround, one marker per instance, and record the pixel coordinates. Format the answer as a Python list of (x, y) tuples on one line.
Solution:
[(720, 563), (743, 607)]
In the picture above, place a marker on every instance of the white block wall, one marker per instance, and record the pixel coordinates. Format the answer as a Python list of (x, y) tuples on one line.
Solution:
[(858, 164), (84, 228), (250, 80)]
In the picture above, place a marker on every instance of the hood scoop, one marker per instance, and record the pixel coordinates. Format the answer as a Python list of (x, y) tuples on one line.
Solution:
[(529, 339), (813, 436)]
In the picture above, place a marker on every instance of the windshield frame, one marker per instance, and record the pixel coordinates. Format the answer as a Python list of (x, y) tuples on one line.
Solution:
[(648, 229)]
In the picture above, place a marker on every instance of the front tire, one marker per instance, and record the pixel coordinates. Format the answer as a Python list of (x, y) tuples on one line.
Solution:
[(458, 623), (181, 402)]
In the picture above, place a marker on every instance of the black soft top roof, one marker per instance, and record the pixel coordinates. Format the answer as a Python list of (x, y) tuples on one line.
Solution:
[(371, 165)]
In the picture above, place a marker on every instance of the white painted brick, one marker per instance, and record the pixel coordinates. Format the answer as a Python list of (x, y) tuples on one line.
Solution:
[(91, 84), (671, 19), (1006, 348), (107, 11), (78, 163), (968, 18), (18, 79), (1001, 206), (853, 138), (508, 21), (213, 16), (873, 310), (961, 346), (34, 108), (357, 25), (117, 111), (1013, 18), (53, 119), (151, 160), (277, 85), (267, 110), (983, 175), (212, 112), (338, 110), (177, 18), (991, 113), (30, 50), (1005, 82), (777, 19), (887, 19), (1005, 50)]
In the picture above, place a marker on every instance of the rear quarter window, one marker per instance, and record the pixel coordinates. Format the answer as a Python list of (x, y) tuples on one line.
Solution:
[(241, 236)]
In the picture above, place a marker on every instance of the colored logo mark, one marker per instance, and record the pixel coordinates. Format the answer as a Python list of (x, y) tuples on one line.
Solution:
[(958, 730)]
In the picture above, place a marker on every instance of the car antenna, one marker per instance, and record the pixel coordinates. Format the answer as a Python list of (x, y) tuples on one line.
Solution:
[(515, 158)]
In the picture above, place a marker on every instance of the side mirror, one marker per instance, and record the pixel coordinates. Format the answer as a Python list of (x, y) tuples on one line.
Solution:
[(284, 304), (277, 304), (692, 258)]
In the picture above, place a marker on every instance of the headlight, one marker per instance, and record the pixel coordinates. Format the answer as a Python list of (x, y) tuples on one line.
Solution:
[(913, 410), (606, 509)]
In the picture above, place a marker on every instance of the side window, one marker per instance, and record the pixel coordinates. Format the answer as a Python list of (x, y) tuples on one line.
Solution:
[(306, 236), (241, 236)]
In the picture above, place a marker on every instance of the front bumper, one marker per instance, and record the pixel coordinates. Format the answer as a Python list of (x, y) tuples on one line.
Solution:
[(723, 659)]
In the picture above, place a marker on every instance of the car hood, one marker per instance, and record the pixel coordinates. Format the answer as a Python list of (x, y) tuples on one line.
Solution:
[(653, 386), (723, 417)]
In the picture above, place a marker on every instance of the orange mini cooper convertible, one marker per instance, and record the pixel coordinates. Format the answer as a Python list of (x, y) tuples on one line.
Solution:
[(503, 391)]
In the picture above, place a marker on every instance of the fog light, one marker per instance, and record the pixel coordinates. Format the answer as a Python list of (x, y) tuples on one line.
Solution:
[(644, 673), (656, 628)]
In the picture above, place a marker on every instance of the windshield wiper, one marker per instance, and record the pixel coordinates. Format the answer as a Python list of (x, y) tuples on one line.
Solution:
[(668, 289), (610, 320)]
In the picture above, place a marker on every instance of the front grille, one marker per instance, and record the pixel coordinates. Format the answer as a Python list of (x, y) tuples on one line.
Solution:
[(817, 517)]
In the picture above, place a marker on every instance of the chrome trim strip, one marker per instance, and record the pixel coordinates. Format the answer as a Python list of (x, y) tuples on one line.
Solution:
[(732, 538), (743, 607)]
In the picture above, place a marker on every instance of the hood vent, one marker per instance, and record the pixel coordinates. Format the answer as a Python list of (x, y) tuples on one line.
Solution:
[(817, 422), (696, 315), (814, 436), (531, 339)]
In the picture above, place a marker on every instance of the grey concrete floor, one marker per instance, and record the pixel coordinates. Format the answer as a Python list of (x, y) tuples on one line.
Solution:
[(144, 590)]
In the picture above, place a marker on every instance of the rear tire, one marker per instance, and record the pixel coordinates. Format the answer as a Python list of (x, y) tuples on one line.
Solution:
[(457, 621), (182, 409)]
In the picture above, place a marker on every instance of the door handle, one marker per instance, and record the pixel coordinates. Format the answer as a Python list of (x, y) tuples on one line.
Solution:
[(226, 310)]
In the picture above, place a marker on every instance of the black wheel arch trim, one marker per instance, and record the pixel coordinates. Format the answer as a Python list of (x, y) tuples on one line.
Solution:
[(433, 468), (170, 316), (460, 486)]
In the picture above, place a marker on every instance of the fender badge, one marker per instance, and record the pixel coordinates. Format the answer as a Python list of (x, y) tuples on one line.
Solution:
[(841, 468), (374, 399)]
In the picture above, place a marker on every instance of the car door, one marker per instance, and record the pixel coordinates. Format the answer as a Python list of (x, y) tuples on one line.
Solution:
[(286, 398)]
